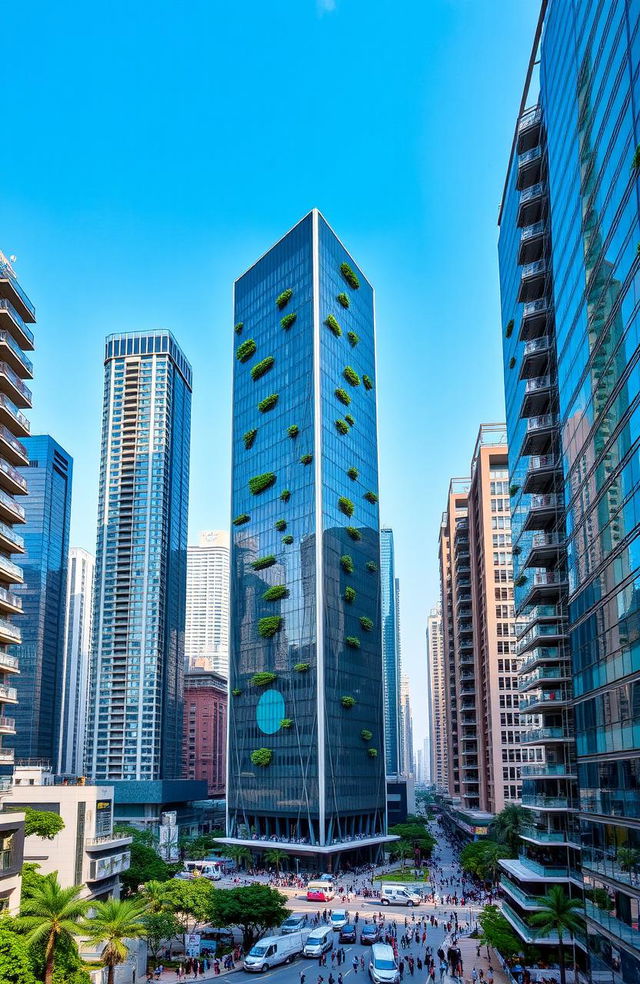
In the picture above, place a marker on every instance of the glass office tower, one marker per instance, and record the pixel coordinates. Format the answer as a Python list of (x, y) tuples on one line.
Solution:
[(46, 539), (569, 232), (137, 658), (390, 653), (306, 740)]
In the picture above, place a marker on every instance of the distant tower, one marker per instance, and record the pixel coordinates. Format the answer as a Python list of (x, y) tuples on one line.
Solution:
[(207, 621), (75, 674), (437, 699), (389, 594)]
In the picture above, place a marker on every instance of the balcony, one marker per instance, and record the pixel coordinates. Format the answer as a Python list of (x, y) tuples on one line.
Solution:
[(7, 725), (553, 674), (543, 511), (539, 433), (538, 802), (535, 357), (11, 320), (534, 319), (545, 586), (106, 867), (615, 927), (545, 550), (548, 770), (532, 281), (543, 474), (532, 242), (529, 126), (526, 900), (13, 387), (525, 931), (9, 571), (532, 204), (8, 695), (543, 701), (537, 395), (12, 354), (11, 510), (12, 449), (105, 841), (529, 167), (13, 292), (9, 634), (7, 756), (8, 663), (560, 838), (10, 540), (540, 736), (12, 418)]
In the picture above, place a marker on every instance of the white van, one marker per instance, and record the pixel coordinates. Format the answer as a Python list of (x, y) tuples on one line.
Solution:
[(398, 895), (318, 941), (339, 918), (274, 950), (383, 968)]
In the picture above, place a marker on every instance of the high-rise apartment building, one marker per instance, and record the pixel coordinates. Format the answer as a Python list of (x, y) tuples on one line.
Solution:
[(16, 338), (46, 537), (437, 703), (407, 764), (390, 653), (306, 741), (135, 720), (206, 633), (568, 261), (75, 670), (204, 744)]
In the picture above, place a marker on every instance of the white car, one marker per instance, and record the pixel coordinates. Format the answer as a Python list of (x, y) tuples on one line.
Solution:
[(398, 895), (274, 950), (383, 968), (339, 918)]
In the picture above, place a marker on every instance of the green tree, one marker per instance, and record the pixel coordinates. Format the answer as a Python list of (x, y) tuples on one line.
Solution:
[(191, 901), (112, 923), (254, 909), (497, 931), (275, 857), (482, 859), (241, 855), (417, 835), (146, 864), (628, 858), (558, 915), (509, 824), (50, 914), (15, 966), (42, 823), (156, 895), (158, 928)]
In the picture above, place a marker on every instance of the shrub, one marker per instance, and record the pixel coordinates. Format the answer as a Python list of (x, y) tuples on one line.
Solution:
[(268, 403), (354, 533), (246, 350), (366, 735), (349, 595), (353, 338), (260, 483), (343, 299), (352, 642), (268, 626), (372, 567), (265, 678), (519, 581), (280, 525), (353, 473), (349, 419), (293, 431), (367, 383), (306, 459), (249, 437), (286, 723), (288, 320), (261, 563), (302, 667), (276, 592), (238, 328), (262, 757), (345, 506), (635, 161), (342, 427), (516, 550), (285, 495), (283, 299), (513, 489), (509, 329), (372, 753), (333, 325), (262, 368), (241, 519), (288, 539), (512, 362), (236, 692), (347, 702), (349, 275), (371, 497), (351, 376), (366, 623), (346, 562), (343, 396)]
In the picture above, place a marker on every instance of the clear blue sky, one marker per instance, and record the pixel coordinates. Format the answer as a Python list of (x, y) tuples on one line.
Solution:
[(152, 150)]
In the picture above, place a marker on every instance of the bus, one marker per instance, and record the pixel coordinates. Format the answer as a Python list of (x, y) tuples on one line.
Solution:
[(320, 891), (203, 869)]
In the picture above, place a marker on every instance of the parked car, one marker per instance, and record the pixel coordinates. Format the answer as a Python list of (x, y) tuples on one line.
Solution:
[(347, 934), (318, 942), (370, 933), (274, 950), (399, 895), (383, 967), (339, 918), (294, 923)]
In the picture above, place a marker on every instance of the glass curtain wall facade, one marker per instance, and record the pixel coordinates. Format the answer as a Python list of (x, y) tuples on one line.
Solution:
[(207, 620), (75, 674), (44, 591), (306, 740), (390, 654), (135, 719)]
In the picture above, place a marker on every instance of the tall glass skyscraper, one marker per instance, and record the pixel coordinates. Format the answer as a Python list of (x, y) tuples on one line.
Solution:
[(75, 673), (46, 538), (137, 659), (207, 615), (306, 741), (390, 653), (569, 231)]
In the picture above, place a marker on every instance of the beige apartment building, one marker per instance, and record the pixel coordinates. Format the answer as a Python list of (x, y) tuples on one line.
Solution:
[(436, 688), (479, 633)]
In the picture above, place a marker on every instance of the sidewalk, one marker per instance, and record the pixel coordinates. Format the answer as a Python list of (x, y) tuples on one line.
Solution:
[(170, 976), (468, 949)]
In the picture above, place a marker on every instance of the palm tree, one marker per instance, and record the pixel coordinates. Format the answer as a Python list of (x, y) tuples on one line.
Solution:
[(275, 857), (239, 854), (51, 914), (113, 922), (509, 824), (404, 850), (155, 895), (558, 914)]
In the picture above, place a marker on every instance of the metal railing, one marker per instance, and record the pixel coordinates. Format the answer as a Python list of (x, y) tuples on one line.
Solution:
[(537, 383), (13, 442), (535, 191), (6, 273), (542, 673), (543, 697), (9, 662), (537, 345), (534, 307), (9, 629), (9, 568), (14, 475), (548, 802), (546, 501), (11, 504), (530, 117), (8, 693), (532, 269), (533, 230), (14, 412), (538, 735), (529, 155), (7, 339), (9, 533), (14, 379)]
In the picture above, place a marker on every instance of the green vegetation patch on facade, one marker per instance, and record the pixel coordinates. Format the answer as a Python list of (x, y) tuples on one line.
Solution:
[(347, 701), (285, 495), (346, 563), (241, 519), (353, 338), (288, 539), (238, 328), (262, 368), (366, 735), (283, 299), (367, 382), (302, 667), (293, 431), (509, 329), (246, 350), (264, 678), (350, 276), (352, 473), (262, 757), (341, 426), (352, 642), (519, 581), (343, 396), (268, 403), (372, 567), (260, 483), (280, 525), (349, 594), (333, 325), (343, 299), (249, 437), (354, 533), (306, 459), (261, 563), (286, 723), (349, 419), (512, 362), (269, 625), (366, 623), (351, 376), (345, 506), (371, 497), (236, 692), (276, 592), (372, 753), (288, 321)]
